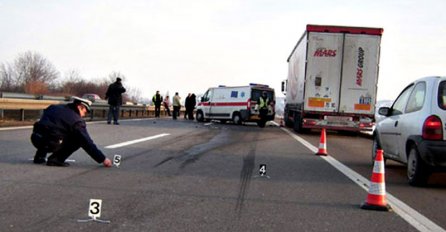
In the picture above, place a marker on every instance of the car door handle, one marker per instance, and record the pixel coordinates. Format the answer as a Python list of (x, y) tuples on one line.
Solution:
[(396, 123)]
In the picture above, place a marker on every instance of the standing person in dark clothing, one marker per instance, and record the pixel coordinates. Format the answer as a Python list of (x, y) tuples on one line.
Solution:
[(114, 97), (157, 99), (61, 131), (187, 106), (192, 103)]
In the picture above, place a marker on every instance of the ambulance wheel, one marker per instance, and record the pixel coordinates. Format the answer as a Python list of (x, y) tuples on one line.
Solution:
[(236, 119), (199, 116), (261, 123)]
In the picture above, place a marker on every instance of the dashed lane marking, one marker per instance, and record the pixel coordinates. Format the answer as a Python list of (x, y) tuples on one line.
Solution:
[(123, 144)]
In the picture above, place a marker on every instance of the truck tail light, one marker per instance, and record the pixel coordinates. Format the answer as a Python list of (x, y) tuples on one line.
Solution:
[(432, 128), (248, 105)]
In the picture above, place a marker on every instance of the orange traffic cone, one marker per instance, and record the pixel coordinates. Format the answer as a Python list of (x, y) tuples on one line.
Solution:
[(376, 198), (322, 144)]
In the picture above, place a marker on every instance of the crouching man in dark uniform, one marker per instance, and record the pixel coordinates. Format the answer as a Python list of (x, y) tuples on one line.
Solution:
[(61, 131)]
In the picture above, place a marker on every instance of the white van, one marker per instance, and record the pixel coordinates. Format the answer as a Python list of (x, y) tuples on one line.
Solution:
[(239, 104)]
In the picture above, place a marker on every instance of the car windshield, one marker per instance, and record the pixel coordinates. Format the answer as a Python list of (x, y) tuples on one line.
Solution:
[(442, 95)]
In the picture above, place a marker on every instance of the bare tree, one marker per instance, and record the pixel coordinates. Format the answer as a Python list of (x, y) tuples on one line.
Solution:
[(31, 69), (32, 73), (7, 82), (113, 75), (134, 94)]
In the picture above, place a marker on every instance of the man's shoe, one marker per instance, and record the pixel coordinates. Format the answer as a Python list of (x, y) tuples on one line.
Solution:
[(116, 123), (57, 163), (39, 160), (108, 122)]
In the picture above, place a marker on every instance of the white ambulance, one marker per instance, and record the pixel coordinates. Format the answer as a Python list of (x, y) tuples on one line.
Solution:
[(239, 104)]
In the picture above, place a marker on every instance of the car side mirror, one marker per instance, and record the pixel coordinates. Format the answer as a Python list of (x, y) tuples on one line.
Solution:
[(384, 111)]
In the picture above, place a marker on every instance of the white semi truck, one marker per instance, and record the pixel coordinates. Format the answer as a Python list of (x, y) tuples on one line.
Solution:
[(332, 79)]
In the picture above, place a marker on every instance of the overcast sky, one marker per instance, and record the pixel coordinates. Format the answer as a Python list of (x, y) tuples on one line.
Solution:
[(190, 45)]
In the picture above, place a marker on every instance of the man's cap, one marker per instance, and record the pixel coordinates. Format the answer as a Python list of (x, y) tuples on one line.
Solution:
[(84, 102), (118, 79)]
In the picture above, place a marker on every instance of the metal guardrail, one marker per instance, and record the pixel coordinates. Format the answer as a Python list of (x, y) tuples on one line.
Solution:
[(33, 96), (99, 110), (19, 106)]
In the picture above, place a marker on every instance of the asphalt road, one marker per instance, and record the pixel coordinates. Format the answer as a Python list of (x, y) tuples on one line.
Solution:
[(202, 177)]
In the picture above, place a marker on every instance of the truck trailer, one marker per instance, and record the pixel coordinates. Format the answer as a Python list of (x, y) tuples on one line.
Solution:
[(332, 79)]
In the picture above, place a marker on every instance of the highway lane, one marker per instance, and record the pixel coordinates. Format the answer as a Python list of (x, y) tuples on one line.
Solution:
[(355, 152), (198, 178)]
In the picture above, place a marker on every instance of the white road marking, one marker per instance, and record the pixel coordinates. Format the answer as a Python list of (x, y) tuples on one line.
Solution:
[(15, 128), (67, 160), (136, 141), (88, 122), (414, 218)]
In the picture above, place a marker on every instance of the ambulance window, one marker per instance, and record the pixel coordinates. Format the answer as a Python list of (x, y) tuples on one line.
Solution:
[(234, 94), (255, 95), (205, 97)]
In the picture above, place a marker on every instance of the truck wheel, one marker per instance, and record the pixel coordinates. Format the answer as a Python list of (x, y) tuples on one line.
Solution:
[(199, 116), (288, 123), (298, 123), (236, 119), (417, 171), (261, 123)]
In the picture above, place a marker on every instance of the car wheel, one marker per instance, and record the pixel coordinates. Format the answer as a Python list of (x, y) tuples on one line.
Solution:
[(417, 170), (200, 116), (237, 119), (376, 145)]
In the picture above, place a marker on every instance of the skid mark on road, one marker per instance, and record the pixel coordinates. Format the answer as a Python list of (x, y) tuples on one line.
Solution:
[(245, 178), (194, 153)]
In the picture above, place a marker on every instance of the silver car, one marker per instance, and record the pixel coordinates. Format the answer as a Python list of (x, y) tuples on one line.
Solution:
[(413, 129)]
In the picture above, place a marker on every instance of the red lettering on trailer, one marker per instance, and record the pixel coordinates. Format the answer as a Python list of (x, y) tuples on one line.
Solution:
[(360, 65), (359, 76), (322, 52)]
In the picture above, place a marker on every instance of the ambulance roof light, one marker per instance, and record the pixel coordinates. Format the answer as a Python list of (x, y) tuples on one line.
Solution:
[(255, 84)]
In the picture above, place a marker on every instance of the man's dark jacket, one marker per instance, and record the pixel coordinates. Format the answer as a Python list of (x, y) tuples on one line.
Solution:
[(60, 122), (114, 92)]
